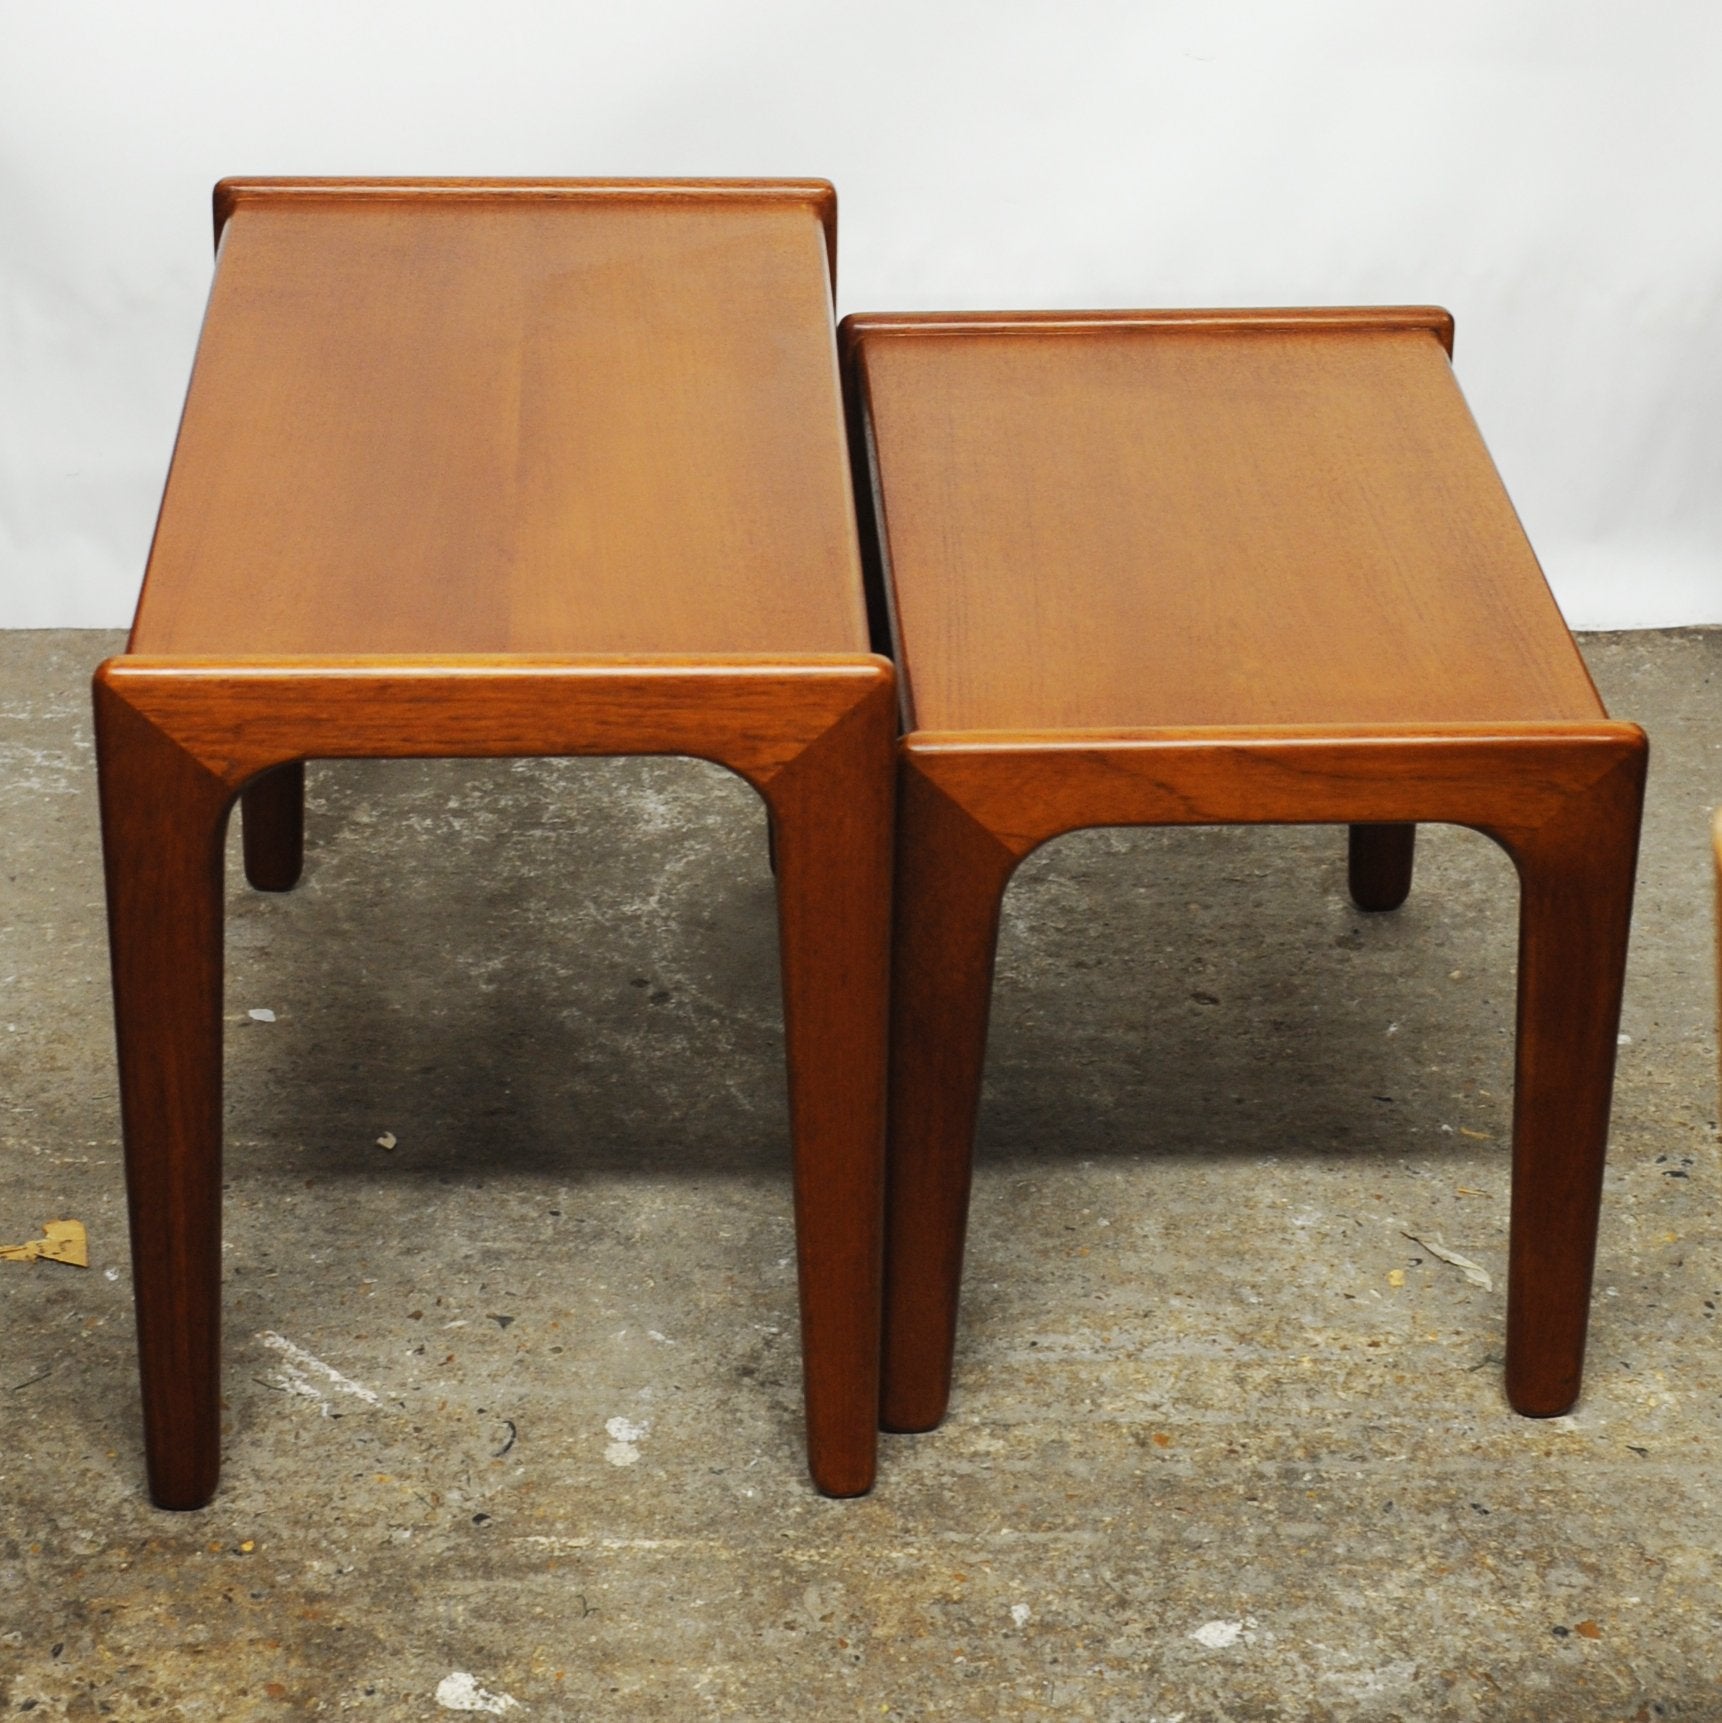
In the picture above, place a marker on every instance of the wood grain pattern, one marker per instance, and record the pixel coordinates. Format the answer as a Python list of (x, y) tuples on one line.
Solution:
[(240, 717), (1226, 568), (559, 418), (1130, 521), (476, 468), (1028, 789)]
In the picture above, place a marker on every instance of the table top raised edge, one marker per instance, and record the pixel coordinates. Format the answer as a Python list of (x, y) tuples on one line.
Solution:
[(860, 326), (233, 192)]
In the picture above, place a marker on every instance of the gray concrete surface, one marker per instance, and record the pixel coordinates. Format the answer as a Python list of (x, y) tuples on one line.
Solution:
[(517, 1399)]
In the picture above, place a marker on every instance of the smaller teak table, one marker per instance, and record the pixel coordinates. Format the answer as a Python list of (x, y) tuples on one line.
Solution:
[(501, 468), (1201, 568)]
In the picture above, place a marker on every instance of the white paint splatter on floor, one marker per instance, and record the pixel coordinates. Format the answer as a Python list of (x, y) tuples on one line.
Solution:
[(1217, 1635), (624, 1433), (458, 1691), (1021, 1614), (296, 1375)]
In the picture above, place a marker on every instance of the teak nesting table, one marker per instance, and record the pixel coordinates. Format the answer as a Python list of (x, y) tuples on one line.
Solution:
[(1212, 568), (495, 468), (501, 468)]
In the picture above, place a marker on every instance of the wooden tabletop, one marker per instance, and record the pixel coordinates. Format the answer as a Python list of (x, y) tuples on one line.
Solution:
[(1135, 520), (498, 417)]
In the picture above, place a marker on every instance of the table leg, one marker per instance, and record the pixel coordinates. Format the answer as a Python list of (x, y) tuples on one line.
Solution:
[(1379, 865), (1576, 879), (831, 820), (272, 824), (164, 818), (951, 876)]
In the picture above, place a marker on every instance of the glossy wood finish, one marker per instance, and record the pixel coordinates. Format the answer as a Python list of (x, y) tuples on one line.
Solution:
[(1123, 522), (561, 418), (368, 459), (1275, 558)]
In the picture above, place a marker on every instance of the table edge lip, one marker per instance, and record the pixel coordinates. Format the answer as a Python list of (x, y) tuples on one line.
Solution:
[(456, 666), (859, 327), (234, 190), (1602, 730)]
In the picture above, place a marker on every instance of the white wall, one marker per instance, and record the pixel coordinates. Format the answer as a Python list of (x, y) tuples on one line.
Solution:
[(1548, 169)]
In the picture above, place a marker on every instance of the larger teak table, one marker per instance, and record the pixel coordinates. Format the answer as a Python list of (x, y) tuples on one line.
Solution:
[(1203, 568), (501, 468)]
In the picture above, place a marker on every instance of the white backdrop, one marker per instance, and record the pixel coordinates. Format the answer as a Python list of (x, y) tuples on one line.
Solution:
[(1548, 169)]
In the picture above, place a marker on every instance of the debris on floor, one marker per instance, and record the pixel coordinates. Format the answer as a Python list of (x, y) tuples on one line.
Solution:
[(61, 1241), (1474, 1272)]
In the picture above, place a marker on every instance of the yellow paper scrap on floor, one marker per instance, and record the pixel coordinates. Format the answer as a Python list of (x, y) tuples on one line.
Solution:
[(61, 1241)]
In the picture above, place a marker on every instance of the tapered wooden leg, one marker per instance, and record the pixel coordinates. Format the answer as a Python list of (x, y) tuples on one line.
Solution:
[(831, 813), (1379, 865), (1576, 883), (272, 825), (951, 876), (163, 822)]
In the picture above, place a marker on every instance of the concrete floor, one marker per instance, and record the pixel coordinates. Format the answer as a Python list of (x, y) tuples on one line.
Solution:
[(517, 1399)]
